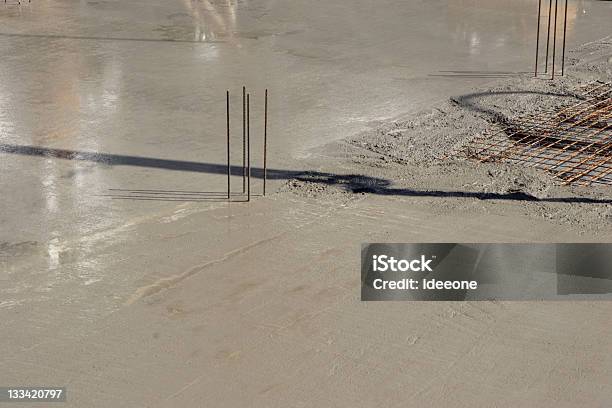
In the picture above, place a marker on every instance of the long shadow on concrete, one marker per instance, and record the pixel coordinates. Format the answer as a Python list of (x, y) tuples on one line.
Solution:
[(468, 101), (354, 183), (479, 74)]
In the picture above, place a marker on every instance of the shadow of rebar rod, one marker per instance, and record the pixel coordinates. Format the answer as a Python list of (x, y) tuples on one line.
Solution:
[(221, 194), (479, 74), (354, 183)]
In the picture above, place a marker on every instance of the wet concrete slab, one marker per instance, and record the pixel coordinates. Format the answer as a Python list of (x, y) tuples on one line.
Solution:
[(116, 199), (146, 80)]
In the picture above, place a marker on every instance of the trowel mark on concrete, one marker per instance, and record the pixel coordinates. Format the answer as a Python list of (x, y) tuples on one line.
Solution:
[(166, 283), (10, 250)]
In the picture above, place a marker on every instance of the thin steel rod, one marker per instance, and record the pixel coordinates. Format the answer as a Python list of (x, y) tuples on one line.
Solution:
[(248, 146), (598, 177), (606, 169), (554, 50), (265, 144), (587, 171), (548, 34), (538, 37), (243, 139), (564, 35), (229, 170)]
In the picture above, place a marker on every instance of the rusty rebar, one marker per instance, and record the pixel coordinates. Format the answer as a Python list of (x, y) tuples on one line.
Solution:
[(243, 139), (265, 144), (229, 165), (555, 116), (594, 166), (554, 50), (601, 175), (248, 146), (564, 36), (586, 101), (564, 145), (576, 153), (574, 143), (548, 34), (538, 37), (507, 151), (558, 130)]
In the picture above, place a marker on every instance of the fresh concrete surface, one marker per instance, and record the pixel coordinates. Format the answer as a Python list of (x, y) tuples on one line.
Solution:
[(177, 303)]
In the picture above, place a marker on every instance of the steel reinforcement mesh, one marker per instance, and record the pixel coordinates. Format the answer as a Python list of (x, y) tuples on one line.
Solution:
[(573, 143)]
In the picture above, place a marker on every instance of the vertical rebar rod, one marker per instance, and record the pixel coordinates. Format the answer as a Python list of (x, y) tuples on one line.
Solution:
[(229, 170), (538, 37), (243, 139), (564, 35), (552, 76), (548, 34), (265, 143), (248, 146)]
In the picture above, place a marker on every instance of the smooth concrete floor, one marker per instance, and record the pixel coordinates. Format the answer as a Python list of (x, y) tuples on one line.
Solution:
[(135, 90), (147, 80)]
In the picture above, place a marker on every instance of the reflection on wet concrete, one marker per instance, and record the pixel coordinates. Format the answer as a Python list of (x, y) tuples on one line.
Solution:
[(212, 21), (147, 79), (461, 15), (80, 230)]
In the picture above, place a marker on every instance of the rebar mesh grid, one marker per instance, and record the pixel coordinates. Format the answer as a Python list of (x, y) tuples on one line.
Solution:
[(574, 143)]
